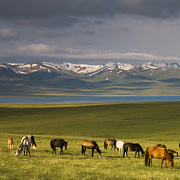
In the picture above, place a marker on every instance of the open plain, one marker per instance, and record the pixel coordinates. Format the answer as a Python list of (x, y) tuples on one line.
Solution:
[(145, 123)]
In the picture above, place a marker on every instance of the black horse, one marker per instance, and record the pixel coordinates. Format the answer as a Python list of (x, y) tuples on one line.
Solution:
[(58, 143), (132, 147)]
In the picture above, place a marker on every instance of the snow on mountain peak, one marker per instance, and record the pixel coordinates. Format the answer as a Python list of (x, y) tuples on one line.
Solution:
[(80, 68), (150, 65), (27, 68)]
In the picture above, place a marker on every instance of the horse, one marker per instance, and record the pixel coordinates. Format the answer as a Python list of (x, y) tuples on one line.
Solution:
[(110, 142), (172, 152), (10, 144), (161, 145), (119, 146), (90, 145), (58, 143), (132, 147), (158, 153), (25, 144), (32, 141)]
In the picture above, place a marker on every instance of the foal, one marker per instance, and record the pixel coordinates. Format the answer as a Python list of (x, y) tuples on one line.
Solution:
[(10, 144)]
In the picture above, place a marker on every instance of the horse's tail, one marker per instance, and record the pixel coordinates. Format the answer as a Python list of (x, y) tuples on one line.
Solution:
[(105, 145), (124, 150), (82, 149), (114, 143), (146, 157), (51, 143)]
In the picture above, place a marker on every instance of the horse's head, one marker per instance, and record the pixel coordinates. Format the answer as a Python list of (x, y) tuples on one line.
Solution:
[(143, 154), (19, 150), (171, 164), (65, 145), (99, 153)]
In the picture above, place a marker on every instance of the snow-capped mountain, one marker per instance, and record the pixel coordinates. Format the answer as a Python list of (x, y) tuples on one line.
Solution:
[(28, 79), (84, 69)]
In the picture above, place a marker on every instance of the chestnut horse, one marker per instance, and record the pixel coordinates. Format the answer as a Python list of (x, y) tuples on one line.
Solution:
[(10, 144), (158, 153), (90, 145), (110, 142)]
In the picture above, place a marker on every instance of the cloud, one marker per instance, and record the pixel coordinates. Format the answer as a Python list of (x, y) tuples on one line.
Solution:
[(70, 53), (7, 34), (37, 48), (67, 12)]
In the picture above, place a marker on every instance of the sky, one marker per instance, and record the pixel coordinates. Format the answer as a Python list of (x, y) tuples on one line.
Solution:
[(89, 32)]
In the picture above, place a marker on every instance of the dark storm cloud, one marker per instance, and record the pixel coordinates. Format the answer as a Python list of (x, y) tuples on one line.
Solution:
[(67, 12)]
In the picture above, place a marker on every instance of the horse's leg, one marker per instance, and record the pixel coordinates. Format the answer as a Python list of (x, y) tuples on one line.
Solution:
[(135, 153), (162, 162), (61, 151), (24, 151), (29, 152), (92, 151), (125, 153), (82, 150), (105, 145), (166, 163)]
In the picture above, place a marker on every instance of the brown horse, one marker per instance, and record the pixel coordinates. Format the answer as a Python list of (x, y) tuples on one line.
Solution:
[(172, 151), (158, 153), (110, 142), (90, 145), (10, 144)]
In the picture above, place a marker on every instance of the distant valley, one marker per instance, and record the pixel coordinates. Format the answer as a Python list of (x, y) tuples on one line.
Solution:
[(49, 79)]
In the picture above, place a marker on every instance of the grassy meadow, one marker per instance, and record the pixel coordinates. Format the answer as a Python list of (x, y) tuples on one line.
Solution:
[(145, 123)]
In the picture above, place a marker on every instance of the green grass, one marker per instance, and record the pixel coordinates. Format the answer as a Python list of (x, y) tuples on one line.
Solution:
[(145, 123)]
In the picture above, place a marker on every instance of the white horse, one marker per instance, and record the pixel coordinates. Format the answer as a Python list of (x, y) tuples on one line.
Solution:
[(25, 144), (119, 146)]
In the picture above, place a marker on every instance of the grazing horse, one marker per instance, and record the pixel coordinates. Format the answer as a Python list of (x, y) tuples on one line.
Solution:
[(110, 142), (119, 146), (25, 144), (172, 152), (10, 144), (58, 143), (158, 153), (32, 141), (132, 147), (90, 145), (160, 145)]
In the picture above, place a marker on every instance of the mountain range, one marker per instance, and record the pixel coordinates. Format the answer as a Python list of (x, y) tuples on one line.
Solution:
[(49, 79)]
